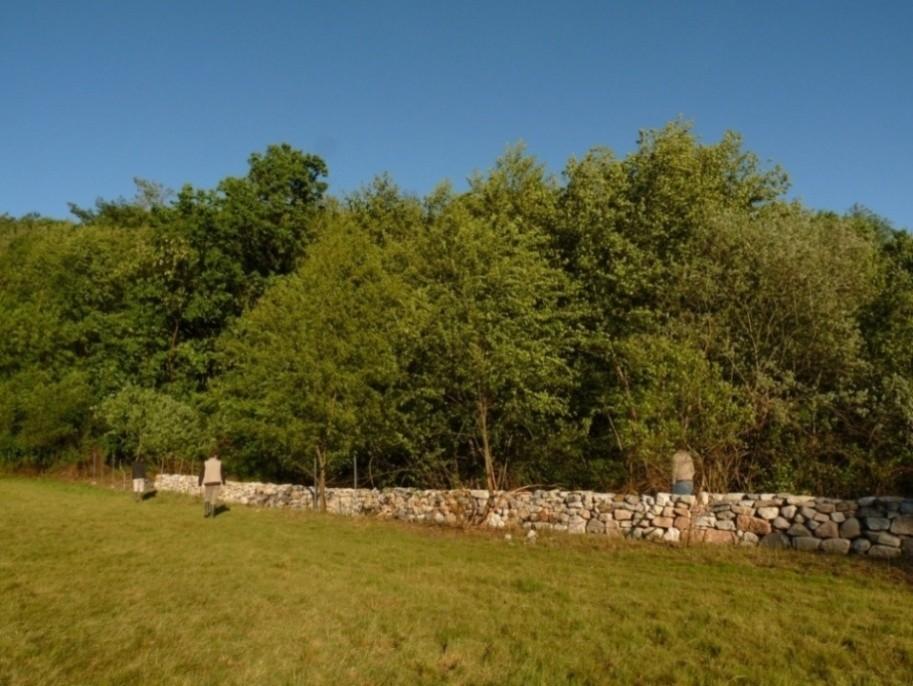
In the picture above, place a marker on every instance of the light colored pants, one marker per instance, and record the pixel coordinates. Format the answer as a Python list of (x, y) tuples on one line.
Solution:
[(139, 485), (211, 493)]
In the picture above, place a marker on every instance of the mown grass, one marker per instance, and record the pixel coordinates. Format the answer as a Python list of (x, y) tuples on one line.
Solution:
[(96, 589)]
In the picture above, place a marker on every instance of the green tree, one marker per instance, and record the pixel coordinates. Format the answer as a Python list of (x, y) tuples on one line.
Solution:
[(308, 366), (143, 422), (488, 369)]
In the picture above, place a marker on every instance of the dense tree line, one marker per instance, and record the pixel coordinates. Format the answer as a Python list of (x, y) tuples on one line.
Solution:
[(534, 329)]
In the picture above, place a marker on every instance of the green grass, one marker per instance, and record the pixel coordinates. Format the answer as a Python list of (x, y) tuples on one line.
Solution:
[(96, 589)]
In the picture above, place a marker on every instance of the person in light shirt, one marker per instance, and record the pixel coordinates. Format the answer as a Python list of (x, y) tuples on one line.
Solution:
[(682, 473), (139, 478), (211, 479)]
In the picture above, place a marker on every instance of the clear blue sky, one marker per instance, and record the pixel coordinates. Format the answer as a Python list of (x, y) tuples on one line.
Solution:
[(94, 93)]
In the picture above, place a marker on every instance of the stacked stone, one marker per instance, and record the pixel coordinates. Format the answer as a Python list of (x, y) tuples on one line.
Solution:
[(874, 526)]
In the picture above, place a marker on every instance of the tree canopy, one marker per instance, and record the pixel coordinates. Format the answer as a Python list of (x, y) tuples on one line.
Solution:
[(534, 328)]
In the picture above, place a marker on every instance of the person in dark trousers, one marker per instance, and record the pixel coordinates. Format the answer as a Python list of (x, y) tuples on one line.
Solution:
[(211, 479), (139, 478)]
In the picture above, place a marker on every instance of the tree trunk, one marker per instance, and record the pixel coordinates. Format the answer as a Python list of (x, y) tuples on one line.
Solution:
[(322, 478), (490, 476)]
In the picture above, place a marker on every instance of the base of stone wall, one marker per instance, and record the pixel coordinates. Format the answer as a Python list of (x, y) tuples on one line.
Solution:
[(875, 526)]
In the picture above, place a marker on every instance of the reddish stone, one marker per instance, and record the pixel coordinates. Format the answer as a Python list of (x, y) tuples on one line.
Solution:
[(682, 523), (755, 525), (714, 536)]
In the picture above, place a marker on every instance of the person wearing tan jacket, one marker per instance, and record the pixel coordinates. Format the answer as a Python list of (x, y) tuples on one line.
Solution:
[(211, 479), (682, 473)]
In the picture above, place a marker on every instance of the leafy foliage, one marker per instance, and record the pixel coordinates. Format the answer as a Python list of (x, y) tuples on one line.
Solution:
[(531, 329)]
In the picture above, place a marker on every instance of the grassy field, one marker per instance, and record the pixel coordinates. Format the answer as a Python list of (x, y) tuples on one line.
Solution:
[(96, 589)]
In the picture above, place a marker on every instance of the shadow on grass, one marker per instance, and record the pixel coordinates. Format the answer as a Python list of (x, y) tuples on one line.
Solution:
[(220, 509), (148, 495)]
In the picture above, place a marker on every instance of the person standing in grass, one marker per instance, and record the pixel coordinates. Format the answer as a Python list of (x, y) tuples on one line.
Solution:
[(139, 478), (211, 479), (682, 473)]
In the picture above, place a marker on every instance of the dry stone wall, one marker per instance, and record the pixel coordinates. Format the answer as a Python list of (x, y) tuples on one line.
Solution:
[(875, 526)]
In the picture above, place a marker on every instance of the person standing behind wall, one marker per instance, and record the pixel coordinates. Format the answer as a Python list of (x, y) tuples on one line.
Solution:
[(211, 479), (682, 473)]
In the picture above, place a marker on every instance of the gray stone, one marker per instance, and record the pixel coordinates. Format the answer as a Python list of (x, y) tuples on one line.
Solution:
[(806, 543), (749, 538), (877, 523), (594, 526), (850, 528), (775, 540), (781, 523), (672, 536), (576, 525), (883, 551), (888, 539), (838, 517), (906, 507), (725, 525), (861, 545), (808, 512), (768, 512), (798, 530), (825, 508), (827, 530), (903, 525), (836, 546), (788, 511), (621, 515), (867, 501)]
